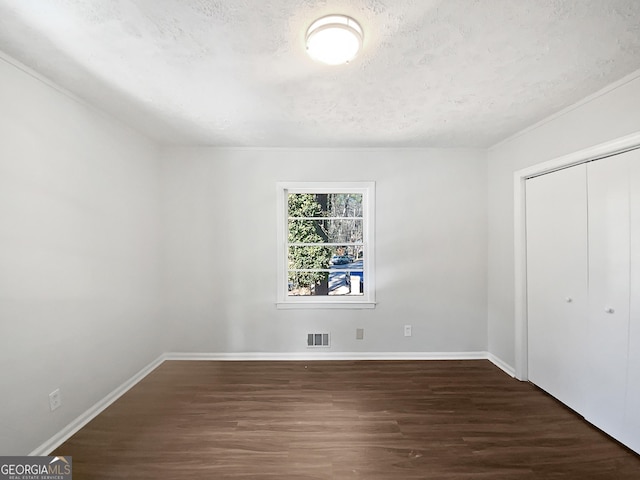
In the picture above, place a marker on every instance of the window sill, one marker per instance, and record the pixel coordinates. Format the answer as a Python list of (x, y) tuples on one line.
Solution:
[(325, 305)]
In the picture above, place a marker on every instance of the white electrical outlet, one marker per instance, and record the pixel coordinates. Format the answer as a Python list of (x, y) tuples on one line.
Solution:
[(359, 333), (55, 399), (407, 330)]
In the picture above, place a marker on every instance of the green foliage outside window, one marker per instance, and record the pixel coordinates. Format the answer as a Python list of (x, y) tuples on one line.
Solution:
[(308, 205)]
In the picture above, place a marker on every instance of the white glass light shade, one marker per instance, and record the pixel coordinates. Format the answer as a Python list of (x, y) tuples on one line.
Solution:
[(334, 39)]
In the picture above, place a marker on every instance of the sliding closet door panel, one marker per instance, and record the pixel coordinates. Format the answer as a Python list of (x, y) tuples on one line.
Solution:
[(608, 187), (632, 409), (557, 282)]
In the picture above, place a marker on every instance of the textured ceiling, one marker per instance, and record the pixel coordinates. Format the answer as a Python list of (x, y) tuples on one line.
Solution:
[(234, 72)]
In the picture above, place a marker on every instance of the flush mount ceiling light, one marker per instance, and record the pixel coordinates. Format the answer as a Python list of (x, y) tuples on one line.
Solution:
[(334, 39)]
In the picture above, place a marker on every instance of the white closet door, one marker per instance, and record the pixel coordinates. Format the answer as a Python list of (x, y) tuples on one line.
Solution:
[(632, 409), (556, 216), (608, 186)]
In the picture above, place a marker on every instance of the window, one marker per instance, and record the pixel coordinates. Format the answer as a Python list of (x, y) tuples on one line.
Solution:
[(325, 245)]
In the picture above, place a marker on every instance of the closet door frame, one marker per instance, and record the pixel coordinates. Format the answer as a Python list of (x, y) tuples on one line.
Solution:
[(603, 150)]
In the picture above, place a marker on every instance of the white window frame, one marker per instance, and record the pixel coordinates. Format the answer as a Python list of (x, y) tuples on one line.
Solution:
[(367, 299)]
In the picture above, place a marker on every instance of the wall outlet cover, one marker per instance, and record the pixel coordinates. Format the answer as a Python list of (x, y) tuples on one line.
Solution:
[(55, 399)]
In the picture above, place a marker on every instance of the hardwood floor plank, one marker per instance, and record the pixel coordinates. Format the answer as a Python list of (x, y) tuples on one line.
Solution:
[(462, 420)]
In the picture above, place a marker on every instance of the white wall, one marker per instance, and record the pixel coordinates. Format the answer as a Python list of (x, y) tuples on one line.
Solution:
[(220, 250), (79, 205), (604, 117)]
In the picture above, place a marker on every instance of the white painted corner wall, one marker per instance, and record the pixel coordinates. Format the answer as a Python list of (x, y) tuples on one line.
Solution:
[(79, 251), (609, 115)]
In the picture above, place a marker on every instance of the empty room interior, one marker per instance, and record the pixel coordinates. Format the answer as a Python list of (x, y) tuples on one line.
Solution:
[(319, 239)]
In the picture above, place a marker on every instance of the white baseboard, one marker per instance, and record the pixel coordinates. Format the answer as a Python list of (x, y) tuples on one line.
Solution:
[(66, 433), (501, 364), (327, 355), (62, 436)]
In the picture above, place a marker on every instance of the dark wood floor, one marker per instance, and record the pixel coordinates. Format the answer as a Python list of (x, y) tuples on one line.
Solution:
[(333, 420)]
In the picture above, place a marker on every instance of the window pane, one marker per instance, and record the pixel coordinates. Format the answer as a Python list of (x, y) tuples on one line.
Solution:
[(345, 205), (325, 205), (347, 258), (334, 283), (319, 257), (323, 231), (340, 270)]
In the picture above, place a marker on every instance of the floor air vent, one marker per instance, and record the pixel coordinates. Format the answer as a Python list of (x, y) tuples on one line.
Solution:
[(317, 340)]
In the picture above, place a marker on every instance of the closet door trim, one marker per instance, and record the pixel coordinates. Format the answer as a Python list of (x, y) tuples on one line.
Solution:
[(603, 150)]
